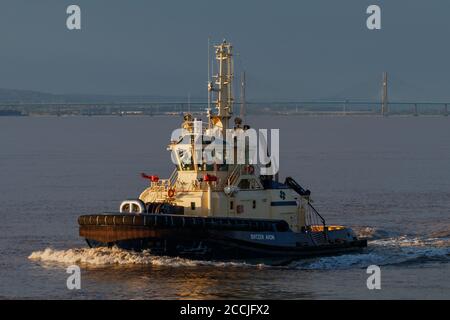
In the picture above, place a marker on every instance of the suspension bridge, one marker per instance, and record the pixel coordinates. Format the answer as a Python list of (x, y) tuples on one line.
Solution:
[(384, 101)]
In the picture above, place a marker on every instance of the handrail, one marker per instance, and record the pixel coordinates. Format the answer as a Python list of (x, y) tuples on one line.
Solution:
[(317, 213), (304, 194), (234, 175), (298, 188), (173, 178)]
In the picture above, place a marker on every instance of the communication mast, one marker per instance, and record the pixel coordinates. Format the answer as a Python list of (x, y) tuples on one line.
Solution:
[(242, 113), (223, 85)]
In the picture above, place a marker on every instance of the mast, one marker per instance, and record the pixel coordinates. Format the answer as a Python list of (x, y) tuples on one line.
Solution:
[(189, 102), (223, 84), (210, 86), (242, 113)]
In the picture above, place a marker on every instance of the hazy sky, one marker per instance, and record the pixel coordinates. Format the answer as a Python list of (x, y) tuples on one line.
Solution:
[(290, 49)]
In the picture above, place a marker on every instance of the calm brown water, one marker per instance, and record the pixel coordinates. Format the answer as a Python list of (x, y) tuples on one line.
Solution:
[(389, 178)]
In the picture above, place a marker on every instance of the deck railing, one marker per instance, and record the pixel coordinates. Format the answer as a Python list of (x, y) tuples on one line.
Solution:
[(234, 175), (316, 224)]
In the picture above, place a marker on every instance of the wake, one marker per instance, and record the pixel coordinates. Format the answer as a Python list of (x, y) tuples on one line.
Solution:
[(383, 250), (114, 256)]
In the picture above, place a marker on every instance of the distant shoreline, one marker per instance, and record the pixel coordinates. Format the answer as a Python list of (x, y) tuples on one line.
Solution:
[(300, 114)]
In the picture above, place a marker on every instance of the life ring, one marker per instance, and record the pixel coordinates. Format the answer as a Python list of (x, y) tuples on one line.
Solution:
[(250, 169), (132, 206), (171, 193)]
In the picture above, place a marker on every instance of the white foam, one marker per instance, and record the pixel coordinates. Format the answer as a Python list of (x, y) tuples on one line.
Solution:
[(338, 262), (115, 256), (370, 232), (388, 251), (383, 252), (406, 241)]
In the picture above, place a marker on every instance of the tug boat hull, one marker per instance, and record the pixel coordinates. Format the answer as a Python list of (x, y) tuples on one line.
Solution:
[(207, 238)]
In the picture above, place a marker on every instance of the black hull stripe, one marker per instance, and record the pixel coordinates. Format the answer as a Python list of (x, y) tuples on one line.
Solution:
[(283, 203)]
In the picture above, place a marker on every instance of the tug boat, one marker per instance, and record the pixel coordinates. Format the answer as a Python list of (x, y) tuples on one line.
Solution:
[(226, 210)]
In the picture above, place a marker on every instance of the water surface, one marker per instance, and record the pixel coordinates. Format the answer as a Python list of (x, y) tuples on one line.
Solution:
[(389, 178)]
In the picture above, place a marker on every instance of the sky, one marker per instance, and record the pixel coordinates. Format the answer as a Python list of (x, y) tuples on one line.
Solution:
[(311, 49)]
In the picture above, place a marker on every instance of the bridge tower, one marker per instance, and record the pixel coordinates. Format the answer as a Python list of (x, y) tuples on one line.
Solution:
[(243, 84), (384, 97)]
